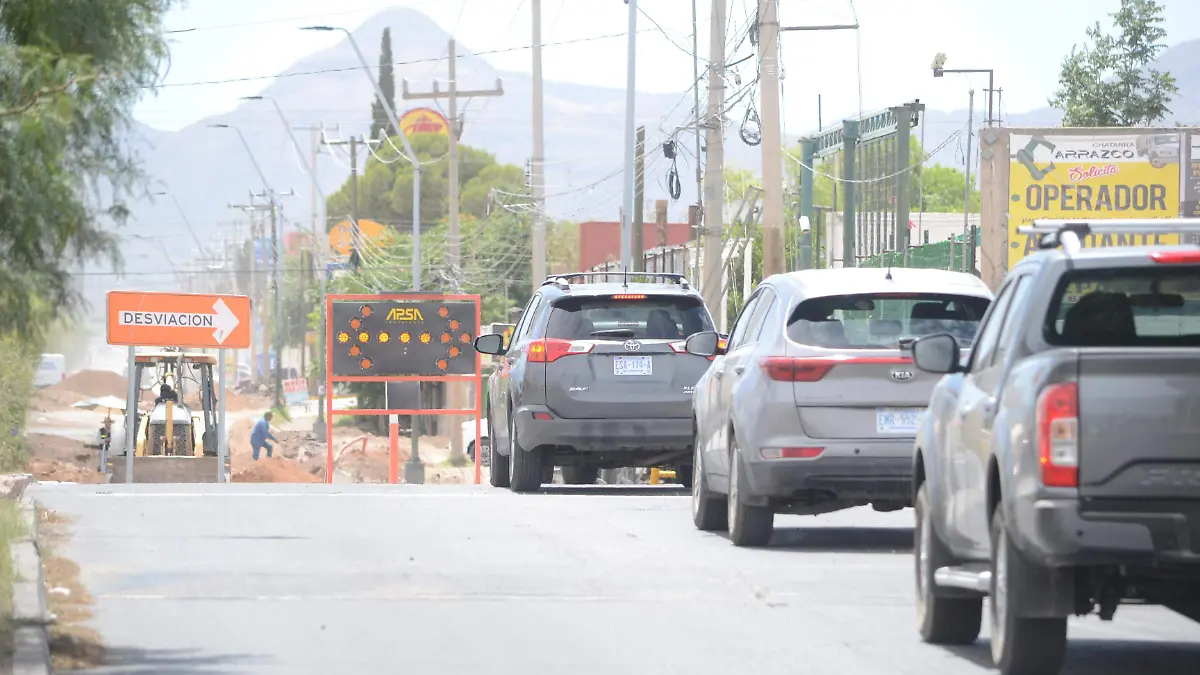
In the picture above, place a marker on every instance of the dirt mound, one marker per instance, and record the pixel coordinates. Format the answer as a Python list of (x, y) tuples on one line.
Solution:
[(48, 400), (93, 383), (64, 472), (274, 470)]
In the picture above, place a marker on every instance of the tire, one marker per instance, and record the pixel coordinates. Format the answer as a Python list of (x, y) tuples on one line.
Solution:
[(525, 471), (708, 507), (684, 475), (580, 475), (471, 451), (748, 525), (498, 464), (1020, 646), (941, 620)]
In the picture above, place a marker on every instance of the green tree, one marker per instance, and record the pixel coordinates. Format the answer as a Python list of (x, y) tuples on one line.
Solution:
[(70, 73), (387, 83), (1110, 83)]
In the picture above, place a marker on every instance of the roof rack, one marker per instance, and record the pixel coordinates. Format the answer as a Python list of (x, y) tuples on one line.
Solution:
[(562, 280), (1069, 233)]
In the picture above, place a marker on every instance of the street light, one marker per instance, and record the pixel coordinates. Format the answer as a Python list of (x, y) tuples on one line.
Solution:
[(249, 152), (319, 425), (186, 222), (270, 195), (414, 470), (939, 69)]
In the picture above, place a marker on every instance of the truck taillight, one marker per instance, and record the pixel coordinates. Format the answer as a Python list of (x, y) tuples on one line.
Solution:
[(549, 350), (1058, 435)]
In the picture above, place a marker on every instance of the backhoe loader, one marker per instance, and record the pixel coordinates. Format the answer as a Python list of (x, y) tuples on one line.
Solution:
[(174, 419)]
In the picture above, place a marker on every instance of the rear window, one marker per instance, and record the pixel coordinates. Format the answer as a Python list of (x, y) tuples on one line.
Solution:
[(881, 320), (666, 317), (1130, 307)]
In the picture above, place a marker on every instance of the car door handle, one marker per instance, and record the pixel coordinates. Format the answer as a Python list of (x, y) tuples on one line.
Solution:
[(738, 370), (718, 373)]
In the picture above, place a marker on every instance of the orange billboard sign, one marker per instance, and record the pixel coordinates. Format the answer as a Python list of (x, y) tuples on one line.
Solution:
[(341, 236), (424, 121), (199, 321)]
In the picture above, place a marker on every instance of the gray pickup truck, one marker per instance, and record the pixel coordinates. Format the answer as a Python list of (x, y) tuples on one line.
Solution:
[(1057, 469)]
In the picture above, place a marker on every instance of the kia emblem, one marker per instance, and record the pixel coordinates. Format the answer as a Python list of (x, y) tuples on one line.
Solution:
[(902, 375), (632, 345)]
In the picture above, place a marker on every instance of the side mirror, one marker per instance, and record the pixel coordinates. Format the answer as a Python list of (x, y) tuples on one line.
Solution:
[(490, 344), (704, 344), (937, 354)]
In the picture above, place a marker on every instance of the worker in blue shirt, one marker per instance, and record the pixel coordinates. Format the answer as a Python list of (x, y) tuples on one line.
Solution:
[(260, 434)]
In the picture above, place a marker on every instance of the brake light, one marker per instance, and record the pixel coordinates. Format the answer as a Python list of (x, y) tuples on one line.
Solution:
[(1176, 257), (549, 350), (1058, 435), (791, 453), (813, 369), (629, 296), (679, 347)]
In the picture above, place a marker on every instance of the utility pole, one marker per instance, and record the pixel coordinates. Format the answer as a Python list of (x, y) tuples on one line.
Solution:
[(630, 103), (772, 145), (639, 206), (355, 237), (714, 163), (456, 390), (968, 249), (693, 216), (452, 94), (537, 163)]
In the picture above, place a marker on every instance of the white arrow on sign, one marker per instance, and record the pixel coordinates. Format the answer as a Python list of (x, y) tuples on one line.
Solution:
[(223, 321), (226, 321)]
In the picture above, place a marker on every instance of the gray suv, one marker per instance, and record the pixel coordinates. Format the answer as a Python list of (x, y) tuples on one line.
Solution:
[(595, 377)]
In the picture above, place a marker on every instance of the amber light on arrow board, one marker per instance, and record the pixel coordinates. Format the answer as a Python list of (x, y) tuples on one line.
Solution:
[(355, 351), (355, 323), (366, 310), (364, 337), (405, 337), (454, 324), (446, 338), (454, 352), (425, 338), (384, 337), (444, 312), (366, 364), (343, 337)]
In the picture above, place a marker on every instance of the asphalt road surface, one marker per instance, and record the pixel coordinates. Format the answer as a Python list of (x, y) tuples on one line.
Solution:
[(432, 580)]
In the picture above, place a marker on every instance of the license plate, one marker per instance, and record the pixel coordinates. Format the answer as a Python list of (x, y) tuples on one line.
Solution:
[(898, 421), (633, 365)]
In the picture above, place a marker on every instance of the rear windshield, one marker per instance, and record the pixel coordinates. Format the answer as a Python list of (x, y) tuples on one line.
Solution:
[(1131, 307), (667, 317), (881, 320)]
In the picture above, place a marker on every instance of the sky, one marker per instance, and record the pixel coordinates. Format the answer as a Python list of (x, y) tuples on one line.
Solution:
[(886, 62)]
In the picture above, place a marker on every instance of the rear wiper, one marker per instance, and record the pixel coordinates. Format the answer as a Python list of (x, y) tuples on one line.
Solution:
[(614, 332)]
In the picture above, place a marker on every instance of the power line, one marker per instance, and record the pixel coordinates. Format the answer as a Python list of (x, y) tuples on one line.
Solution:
[(506, 50)]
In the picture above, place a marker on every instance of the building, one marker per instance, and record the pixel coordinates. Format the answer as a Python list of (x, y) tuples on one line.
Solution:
[(600, 241)]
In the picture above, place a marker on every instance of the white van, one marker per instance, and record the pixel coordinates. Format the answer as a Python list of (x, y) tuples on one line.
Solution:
[(52, 370)]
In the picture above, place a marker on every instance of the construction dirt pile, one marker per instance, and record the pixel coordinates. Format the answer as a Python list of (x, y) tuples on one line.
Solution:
[(57, 458), (48, 400), (92, 384), (274, 470)]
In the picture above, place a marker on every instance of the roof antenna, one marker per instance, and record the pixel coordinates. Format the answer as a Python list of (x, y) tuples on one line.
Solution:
[(626, 278), (889, 271)]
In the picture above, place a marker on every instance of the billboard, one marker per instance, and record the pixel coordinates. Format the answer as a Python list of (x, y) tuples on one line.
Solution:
[(424, 121), (1097, 176), (341, 236), (403, 338)]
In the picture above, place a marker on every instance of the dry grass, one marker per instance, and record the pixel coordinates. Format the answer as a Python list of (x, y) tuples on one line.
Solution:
[(11, 528), (73, 646)]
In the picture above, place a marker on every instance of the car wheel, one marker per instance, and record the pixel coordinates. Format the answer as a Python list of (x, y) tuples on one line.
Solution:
[(941, 620), (748, 525), (471, 451), (524, 466), (485, 454), (580, 475), (1020, 645), (498, 469), (708, 507)]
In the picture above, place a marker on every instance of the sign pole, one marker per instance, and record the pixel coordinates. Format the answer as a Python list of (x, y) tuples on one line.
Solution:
[(328, 356), (393, 439), (222, 436), (131, 423)]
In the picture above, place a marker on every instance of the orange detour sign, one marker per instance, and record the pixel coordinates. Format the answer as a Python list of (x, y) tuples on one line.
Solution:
[(141, 319)]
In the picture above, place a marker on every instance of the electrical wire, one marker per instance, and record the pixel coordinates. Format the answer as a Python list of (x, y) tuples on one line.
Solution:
[(912, 167), (347, 69)]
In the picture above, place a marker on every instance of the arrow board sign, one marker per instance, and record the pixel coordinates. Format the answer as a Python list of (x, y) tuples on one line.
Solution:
[(178, 320)]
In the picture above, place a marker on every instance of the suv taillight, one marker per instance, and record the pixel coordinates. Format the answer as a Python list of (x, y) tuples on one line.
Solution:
[(814, 368), (549, 350), (1058, 435)]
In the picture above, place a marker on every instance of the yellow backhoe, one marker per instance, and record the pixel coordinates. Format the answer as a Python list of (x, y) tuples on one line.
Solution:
[(175, 421)]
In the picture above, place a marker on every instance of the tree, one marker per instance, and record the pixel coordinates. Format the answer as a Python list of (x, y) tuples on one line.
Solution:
[(70, 73), (1111, 82), (387, 83)]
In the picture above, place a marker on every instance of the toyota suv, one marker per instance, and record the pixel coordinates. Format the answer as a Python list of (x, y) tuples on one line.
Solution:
[(595, 376)]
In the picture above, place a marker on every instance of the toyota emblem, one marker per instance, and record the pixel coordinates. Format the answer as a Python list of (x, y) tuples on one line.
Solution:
[(632, 345), (902, 375)]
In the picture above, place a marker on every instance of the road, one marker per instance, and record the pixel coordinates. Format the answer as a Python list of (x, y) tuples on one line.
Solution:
[(459, 579)]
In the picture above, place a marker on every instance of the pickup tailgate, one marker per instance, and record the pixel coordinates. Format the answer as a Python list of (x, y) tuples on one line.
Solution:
[(1139, 416)]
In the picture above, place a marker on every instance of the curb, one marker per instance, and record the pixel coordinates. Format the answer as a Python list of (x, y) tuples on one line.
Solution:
[(31, 616)]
